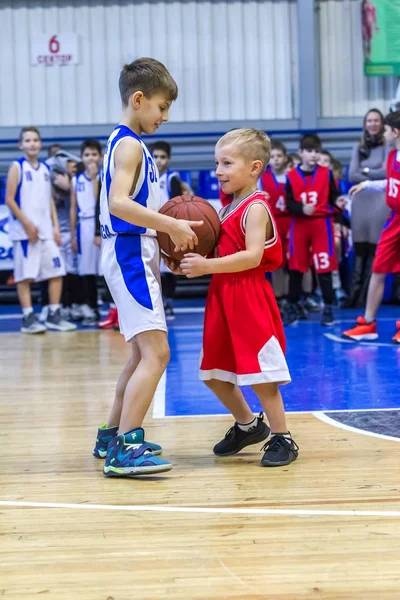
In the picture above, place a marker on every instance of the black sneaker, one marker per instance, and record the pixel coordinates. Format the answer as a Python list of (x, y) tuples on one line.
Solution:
[(279, 451), (327, 317), (236, 439), (290, 314)]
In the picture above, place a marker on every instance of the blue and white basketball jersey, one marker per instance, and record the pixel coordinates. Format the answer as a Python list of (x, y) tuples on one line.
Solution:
[(85, 196), (165, 185), (33, 197), (146, 192)]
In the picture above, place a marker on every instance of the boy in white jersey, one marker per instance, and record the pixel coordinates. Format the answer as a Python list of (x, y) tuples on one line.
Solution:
[(130, 261), (84, 196), (35, 232)]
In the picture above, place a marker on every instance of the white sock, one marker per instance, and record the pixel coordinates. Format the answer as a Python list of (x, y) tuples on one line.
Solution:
[(286, 435), (27, 311), (54, 307), (248, 426)]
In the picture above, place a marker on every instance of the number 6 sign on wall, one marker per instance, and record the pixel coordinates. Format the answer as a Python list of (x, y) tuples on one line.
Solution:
[(54, 49)]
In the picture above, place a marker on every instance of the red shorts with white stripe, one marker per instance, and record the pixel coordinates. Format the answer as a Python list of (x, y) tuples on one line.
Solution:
[(387, 257), (283, 227), (243, 340), (315, 233)]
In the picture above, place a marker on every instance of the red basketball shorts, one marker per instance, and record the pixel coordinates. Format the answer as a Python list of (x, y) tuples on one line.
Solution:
[(243, 340), (315, 234), (283, 226), (387, 257)]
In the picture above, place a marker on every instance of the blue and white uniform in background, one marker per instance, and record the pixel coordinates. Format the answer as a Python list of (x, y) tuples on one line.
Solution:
[(165, 195), (42, 260), (130, 255), (88, 252)]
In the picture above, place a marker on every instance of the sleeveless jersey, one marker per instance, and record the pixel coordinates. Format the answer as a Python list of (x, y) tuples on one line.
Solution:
[(85, 196), (312, 189), (277, 193), (393, 181), (233, 234), (33, 197), (165, 185), (146, 192)]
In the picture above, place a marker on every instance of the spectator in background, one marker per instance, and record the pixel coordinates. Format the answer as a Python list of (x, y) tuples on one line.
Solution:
[(53, 149), (369, 210)]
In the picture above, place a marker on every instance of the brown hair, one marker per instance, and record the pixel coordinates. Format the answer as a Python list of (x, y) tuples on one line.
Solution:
[(29, 128), (277, 145), (149, 76)]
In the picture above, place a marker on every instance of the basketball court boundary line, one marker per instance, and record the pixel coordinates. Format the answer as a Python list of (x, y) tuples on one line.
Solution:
[(159, 398), (324, 417), (288, 412), (336, 338), (284, 512)]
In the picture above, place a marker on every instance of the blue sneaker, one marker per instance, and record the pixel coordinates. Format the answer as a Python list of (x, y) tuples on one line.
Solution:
[(129, 455), (104, 437)]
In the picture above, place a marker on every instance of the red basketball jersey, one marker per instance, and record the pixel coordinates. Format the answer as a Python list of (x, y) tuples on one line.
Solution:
[(312, 189), (393, 182), (233, 233), (277, 193)]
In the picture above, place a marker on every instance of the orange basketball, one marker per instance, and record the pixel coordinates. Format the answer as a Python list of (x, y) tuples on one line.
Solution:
[(191, 208)]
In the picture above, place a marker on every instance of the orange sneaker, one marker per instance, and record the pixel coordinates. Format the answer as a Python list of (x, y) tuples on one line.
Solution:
[(396, 338), (362, 331)]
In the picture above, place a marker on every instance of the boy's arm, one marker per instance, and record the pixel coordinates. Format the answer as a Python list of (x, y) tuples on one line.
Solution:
[(176, 187), (128, 158), (258, 229), (54, 218), (375, 186), (334, 192), (293, 207), (72, 219), (11, 190)]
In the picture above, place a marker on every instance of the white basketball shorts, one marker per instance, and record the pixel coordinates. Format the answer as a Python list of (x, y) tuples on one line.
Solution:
[(69, 257), (37, 262), (88, 252), (131, 267)]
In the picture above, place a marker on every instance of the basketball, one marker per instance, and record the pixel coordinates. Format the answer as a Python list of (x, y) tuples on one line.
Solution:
[(191, 208)]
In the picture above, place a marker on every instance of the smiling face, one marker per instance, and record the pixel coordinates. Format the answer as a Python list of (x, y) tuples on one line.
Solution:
[(235, 171), (152, 112), (373, 123), (30, 144)]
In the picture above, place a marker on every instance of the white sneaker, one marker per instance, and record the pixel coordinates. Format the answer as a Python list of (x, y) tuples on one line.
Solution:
[(44, 313), (65, 313), (76, 312), (55, 321), (87, 312)]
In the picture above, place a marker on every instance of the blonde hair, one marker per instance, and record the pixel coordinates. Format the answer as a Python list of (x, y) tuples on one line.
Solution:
[(253, 143)]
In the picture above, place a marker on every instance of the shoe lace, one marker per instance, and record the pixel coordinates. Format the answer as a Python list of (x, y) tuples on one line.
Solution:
[(273, 444)]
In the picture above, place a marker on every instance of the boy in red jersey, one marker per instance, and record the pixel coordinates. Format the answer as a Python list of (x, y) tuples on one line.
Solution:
[(273, 182), (311, 197), (244, 341), (387, 257)]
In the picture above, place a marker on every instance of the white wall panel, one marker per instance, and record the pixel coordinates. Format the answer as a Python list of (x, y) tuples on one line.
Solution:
[(231, 59), (345, 91)]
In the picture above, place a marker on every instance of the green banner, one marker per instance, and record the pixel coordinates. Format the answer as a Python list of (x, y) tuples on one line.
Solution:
[(381, 36)]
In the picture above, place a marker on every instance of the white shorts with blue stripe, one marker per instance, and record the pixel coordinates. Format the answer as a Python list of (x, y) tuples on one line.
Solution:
[(131, 267)]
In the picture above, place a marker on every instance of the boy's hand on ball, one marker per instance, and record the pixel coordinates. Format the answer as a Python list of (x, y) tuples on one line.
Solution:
[(194, 265), (171, 264), (183, 235)]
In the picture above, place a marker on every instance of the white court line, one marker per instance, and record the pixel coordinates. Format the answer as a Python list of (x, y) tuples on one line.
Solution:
[(336, 338), (159, 398), (323, 417), (289, 412), (283, 512)]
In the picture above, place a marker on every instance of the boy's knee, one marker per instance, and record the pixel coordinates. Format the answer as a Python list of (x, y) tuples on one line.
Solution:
[(162, 354)]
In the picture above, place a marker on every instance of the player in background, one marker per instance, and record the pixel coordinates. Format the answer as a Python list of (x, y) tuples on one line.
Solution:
[(243, 339), (171, 186), (35, 233), (387, 258), (84, 196), (311, 196), (273, 182), (130, 261)]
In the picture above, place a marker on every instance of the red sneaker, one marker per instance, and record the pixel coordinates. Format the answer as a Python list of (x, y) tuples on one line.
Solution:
[(362, 331), (110, 321), (396, 338)]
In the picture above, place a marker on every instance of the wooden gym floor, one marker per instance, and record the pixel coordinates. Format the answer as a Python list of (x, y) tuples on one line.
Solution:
[(326, 527)]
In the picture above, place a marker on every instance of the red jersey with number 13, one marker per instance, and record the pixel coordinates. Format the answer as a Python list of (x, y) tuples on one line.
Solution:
[(312, 189), (393, 182), (276, 192)]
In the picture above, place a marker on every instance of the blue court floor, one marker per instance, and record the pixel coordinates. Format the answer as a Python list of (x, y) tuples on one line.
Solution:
[(328, 373)]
